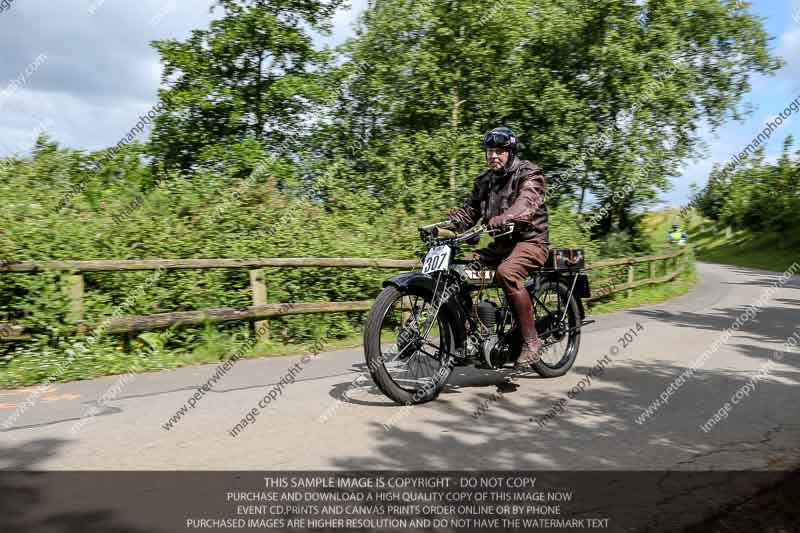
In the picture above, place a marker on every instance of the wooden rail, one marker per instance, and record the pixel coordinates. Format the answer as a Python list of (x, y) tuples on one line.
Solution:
[(622, 261), (201, 264), (605, 287), (599, 294), (74, 288), (192, 318)]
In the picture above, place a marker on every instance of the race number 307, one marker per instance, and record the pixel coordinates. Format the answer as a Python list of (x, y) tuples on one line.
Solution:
[(438, 258)]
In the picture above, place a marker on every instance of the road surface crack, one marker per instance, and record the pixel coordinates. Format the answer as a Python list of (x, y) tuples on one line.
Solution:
[(727, 447)]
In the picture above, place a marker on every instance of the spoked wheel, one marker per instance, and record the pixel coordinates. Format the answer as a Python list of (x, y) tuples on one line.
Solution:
[(558, 324), (407, 348)]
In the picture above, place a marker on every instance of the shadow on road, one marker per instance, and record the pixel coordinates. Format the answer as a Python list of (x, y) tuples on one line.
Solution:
[(760, 278), (27, 496)]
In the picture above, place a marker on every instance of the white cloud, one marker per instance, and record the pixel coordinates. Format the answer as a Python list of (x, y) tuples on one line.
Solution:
[(789, 49), (101, 71)]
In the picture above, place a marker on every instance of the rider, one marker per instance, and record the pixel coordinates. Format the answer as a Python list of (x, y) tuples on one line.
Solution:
[(511, 190), (677, 235)]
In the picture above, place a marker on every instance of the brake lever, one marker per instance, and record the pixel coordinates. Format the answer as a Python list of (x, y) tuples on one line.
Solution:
[(510, 227)]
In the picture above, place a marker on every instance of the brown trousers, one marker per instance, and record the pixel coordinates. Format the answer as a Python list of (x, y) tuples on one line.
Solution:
[(514, 265)]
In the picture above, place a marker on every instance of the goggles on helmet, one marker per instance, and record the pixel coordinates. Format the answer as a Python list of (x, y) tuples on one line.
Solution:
[(496, 140), (501, 138)]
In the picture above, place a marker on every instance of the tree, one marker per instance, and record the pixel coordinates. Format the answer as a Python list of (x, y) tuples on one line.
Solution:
[(758, 196), (250, 76)]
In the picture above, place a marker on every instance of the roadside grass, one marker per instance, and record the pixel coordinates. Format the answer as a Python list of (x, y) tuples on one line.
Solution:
[(768, 251), (155, 356), (114, 359)]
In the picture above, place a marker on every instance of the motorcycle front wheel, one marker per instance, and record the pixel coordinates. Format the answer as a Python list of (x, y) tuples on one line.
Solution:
[(407, 345)]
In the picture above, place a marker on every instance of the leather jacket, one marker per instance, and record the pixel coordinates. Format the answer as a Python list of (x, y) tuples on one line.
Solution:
[(517, 190)]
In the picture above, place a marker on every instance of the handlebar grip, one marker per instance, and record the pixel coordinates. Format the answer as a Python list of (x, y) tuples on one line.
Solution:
[(442, 233), (432, 227)]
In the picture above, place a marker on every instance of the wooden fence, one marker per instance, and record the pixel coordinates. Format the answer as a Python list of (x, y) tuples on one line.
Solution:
[(259, 290)]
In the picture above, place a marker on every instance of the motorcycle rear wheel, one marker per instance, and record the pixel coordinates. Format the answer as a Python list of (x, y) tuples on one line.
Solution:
[(559, 330)]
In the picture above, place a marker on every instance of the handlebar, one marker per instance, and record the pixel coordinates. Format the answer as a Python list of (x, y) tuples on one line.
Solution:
[(439, 231)]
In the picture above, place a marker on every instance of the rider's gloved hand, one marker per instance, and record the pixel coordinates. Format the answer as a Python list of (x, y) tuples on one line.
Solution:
[(498, 222), (458, 216)]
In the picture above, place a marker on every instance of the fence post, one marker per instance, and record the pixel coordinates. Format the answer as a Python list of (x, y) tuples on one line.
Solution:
[(259, 289), (631, 278), (652, 266), (74, 289)]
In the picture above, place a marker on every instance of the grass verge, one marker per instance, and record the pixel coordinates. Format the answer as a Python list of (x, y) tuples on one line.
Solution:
[(650, 294)]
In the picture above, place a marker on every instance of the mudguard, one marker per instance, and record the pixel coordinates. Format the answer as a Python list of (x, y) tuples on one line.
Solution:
[(581, 286), (410, 279), (455, 312)]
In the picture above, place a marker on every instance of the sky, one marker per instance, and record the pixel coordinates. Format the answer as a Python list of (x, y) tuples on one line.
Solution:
[(768, 96), (84, 71)]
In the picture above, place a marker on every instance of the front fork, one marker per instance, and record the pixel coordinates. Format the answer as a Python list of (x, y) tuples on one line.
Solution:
[(445, 294)]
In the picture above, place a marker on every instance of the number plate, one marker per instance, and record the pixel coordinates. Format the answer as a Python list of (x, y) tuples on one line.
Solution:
[(438, 258)]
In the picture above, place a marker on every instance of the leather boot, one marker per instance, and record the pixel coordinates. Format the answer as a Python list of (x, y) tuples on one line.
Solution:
[(531, 343)]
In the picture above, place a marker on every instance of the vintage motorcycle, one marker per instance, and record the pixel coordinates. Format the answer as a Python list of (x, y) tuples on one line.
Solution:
[(424, 324)]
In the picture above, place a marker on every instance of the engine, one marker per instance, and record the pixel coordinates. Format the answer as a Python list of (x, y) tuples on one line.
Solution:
[(488, 314)]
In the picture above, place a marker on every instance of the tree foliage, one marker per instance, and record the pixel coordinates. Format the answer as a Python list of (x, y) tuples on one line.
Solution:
[(759, 196), (604, 93), (249, 76)]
